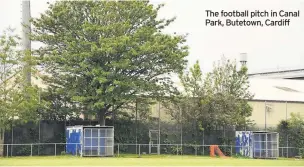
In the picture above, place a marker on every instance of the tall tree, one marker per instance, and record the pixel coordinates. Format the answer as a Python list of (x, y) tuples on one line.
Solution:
[(189, 101), (9, 69), (13, 89), (18, 100), (107, 53), (219, 98), (227, 94)]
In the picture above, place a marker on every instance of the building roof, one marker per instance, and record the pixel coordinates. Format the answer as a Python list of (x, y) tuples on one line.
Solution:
[(283, 74), (277, 89), (265, 89)]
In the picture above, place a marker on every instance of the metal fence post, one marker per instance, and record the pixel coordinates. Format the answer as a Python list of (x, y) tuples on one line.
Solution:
[(287, 148), (118, 149), (231, 150), (139, 150), (55, 149), (31, 150), (76, 150), (7, 150)]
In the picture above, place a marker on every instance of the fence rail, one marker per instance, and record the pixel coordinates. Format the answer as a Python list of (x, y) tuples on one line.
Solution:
[(54, 149)]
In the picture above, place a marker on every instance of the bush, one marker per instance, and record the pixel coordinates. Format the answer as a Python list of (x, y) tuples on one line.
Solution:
[(292, 131)]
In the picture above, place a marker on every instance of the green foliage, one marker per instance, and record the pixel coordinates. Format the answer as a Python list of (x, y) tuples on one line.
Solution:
[(58, 105), (140, 105), (227, 94), (194, 92), (17, 99), (220, 98), (106, 53), (176, 150), (292, 131)]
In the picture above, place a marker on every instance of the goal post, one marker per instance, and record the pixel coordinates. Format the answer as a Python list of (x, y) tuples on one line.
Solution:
[(154, 143)]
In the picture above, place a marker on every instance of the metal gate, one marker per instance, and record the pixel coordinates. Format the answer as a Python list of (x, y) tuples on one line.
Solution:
[(154, 144)]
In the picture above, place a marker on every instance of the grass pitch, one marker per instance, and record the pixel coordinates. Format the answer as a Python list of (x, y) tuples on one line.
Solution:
[(144, 161)]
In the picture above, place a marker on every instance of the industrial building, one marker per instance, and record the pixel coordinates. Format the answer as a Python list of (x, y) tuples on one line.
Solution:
[(275, 99), (277, 94)]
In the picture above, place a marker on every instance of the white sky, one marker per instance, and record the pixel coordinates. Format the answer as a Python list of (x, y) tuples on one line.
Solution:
[(267, 47)]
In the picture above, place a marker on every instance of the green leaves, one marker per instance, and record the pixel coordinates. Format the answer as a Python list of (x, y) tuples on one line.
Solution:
[(17, 100), (217, 99), (292, 130), (113, 48), (228, 88)]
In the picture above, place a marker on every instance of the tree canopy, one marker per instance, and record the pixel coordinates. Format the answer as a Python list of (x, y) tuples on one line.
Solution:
[(18, 100), (104, 54), (227, 94), (292, 131), (219, 98)]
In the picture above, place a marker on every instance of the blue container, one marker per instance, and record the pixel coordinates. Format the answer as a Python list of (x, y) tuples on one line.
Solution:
[(74, 140)]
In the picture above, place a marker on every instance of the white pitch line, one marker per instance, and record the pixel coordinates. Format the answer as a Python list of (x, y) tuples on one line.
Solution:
[(151, 166)]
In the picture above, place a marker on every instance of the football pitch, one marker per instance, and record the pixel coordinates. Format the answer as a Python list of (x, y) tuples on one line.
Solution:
[(184, 161)]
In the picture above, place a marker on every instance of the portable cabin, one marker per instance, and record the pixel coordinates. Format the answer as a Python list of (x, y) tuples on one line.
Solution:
[(90, 140)]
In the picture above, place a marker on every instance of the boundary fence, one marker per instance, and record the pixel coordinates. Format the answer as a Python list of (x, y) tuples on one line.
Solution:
[(56, 149)]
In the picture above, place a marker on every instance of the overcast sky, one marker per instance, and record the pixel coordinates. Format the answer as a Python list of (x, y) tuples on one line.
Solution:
[(267, 47)]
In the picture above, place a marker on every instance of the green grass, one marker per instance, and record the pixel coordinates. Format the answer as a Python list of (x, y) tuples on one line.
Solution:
[(144, 161)]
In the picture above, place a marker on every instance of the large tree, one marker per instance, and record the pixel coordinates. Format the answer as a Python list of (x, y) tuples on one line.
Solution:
[(227, 94), (17, 98), (9, 58), (105, 54)]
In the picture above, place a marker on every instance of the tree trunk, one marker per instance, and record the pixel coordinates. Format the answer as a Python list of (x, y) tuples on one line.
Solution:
[(102, 117)]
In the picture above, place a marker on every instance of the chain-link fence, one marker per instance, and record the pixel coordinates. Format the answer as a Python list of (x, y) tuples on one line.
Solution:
[(58, 149), (171, 138), (150, 131)]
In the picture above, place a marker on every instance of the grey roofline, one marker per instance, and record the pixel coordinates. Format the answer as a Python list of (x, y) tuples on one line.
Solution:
[(275, 72), (277, 101)]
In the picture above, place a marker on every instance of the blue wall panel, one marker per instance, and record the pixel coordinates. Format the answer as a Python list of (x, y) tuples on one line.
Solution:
[(73, 136), (243, 143)]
